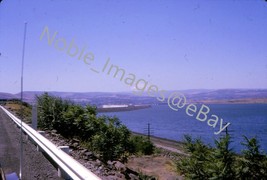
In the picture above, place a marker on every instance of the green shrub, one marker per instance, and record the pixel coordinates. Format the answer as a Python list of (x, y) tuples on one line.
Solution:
[(141, 145), (220, 162), (253, 163), (195, 165), (104, 135), (112, 141), (50, 111)]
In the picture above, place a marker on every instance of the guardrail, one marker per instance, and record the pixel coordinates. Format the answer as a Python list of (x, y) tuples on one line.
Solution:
[(66, 163)]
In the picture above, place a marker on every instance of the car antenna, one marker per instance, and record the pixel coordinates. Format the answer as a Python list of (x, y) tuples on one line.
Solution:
[(21, 99)]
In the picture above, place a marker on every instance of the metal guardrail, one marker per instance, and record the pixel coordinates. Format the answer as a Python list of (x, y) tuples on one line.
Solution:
[(70, 166)]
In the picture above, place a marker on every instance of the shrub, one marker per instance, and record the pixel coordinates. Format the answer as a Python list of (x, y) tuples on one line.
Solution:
[(141, 145), (112, 141), (195, 165), (253, 163), (50, 111), (104, 135), (220, 162)]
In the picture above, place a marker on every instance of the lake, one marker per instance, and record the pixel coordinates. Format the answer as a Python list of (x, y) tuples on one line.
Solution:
[(246, 119)]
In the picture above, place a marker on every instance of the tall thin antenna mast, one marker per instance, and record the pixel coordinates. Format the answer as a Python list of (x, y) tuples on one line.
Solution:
[(21, 99)]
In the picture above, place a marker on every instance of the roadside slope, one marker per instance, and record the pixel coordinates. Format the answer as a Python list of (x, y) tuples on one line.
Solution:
[(35, 165)]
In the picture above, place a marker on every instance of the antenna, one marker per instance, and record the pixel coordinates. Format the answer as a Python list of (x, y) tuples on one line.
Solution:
[(21, 99)]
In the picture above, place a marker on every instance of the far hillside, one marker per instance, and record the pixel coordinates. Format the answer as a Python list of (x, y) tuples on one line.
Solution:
[(221, 96)]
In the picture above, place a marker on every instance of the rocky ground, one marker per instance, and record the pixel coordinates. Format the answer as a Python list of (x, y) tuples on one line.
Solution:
[(109, 170), (160, 165)]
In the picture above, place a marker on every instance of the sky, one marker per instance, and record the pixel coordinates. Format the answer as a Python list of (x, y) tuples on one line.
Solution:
[(175, 45)]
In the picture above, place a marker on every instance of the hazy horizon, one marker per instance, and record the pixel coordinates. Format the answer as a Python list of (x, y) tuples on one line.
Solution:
[(131, 91)]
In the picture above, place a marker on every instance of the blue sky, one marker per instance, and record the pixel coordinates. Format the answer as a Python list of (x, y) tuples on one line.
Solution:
[(172, 44)]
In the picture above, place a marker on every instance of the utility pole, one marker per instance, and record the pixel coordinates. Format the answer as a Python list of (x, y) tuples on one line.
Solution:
[(148, 131), (226, 130)]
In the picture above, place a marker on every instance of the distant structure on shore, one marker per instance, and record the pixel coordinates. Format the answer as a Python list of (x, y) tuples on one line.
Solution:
[(121, 107), (115, 106)]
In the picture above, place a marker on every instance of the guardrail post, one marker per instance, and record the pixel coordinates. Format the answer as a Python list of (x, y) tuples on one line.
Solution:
[(37, 147), (61, 172), (27, 136), (34, 117), (41, 132), (66, 149)]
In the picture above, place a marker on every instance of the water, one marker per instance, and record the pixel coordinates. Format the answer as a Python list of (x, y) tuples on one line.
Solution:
[(246, 119)]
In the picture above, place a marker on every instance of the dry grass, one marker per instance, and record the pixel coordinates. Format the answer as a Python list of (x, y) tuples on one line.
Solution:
[(160, 167), (15, 107)]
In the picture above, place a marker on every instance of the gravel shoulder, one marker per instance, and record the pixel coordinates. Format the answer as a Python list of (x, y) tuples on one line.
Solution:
[(34, 164)]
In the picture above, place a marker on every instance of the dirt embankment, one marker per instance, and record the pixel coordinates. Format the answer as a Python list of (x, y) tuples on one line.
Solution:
[(161, 165), (169, 145)]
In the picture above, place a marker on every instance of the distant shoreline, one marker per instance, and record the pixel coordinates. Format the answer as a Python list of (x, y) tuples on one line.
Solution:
[(196, 96), (234, 101), (119, 109)]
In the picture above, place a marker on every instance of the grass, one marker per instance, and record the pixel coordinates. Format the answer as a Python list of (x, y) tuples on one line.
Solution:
[(15, 107)]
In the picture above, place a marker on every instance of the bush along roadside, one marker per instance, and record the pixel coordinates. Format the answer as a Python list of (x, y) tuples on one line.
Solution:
[(220, 162), (103, 135)]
